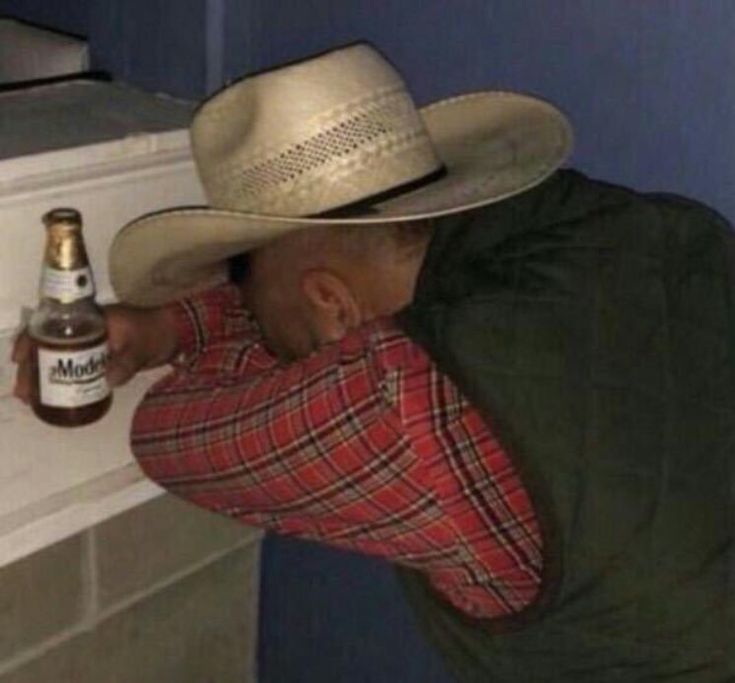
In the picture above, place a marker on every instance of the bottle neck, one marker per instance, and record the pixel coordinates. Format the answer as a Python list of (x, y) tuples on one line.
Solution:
[(66, 286), (65, 247), (66, 276)]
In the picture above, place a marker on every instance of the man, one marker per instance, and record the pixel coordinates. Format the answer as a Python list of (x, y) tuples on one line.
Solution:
[(515, 383)]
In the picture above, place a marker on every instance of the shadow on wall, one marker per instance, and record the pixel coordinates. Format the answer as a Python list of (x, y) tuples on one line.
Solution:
[(333, 616)]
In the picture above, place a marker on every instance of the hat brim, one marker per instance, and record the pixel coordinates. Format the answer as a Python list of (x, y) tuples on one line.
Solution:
[(493, 144)]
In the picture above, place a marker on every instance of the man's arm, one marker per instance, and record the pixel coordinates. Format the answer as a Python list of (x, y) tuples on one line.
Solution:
[(364, 445), (141, 338), (297, 447)]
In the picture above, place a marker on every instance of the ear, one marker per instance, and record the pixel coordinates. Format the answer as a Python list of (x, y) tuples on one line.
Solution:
[(335, 308)]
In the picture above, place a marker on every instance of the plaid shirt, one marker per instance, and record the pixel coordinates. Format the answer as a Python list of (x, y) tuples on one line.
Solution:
[(364, 445)]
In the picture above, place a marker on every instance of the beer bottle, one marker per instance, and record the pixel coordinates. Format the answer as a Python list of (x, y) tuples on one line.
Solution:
[(68, 330)]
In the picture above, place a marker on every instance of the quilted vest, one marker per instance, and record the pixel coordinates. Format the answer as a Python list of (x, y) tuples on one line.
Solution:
[(594, 327)]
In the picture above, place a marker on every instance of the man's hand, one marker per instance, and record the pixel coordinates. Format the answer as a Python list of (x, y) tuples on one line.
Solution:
[(138, 338)]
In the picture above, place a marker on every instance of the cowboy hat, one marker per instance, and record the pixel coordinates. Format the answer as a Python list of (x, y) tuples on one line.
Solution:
[(283, 149)]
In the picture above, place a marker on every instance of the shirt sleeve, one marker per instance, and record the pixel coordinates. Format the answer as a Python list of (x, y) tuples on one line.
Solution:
[(314, 448), (364, 445)]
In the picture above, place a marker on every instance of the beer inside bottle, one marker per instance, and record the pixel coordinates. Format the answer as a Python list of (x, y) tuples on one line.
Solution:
[(68, 330)]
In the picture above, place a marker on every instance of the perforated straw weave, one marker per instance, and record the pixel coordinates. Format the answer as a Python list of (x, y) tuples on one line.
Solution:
[(350, 139), (377, 125)]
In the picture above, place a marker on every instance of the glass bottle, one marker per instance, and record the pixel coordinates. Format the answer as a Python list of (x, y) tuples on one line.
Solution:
[(68, 330)]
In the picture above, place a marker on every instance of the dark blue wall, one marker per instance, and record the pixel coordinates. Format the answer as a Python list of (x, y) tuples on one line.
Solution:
[(334, 617), (71, 16), (146, 43), (155, 44), (648, 84)]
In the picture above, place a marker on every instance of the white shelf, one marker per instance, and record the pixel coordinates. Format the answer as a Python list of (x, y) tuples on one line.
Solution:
[(114, 153), (56, 482)]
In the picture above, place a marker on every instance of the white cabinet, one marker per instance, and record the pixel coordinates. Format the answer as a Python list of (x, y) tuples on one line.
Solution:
[(29, 52), (113, 153)]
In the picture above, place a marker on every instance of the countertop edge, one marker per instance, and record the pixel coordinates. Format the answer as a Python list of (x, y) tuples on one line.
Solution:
[(31, 529)]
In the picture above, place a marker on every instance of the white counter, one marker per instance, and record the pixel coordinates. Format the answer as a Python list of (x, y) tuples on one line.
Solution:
[(55, 482), (114, 153)]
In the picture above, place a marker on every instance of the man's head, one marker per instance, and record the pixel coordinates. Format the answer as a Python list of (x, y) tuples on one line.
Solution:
[(310, 287)]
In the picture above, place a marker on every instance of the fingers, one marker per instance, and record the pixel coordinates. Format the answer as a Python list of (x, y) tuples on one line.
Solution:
[(138, 339), (120, 369), (21, 355), (21, 348), (122, 342), (121, 365), (23, 383)]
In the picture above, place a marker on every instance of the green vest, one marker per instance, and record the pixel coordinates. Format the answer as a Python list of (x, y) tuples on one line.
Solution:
[(594, 327)]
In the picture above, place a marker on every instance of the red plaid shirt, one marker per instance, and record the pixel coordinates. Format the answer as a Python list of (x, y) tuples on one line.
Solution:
[(364, 445)]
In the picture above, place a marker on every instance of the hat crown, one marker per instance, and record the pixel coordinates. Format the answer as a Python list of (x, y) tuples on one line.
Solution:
[(311, 136)]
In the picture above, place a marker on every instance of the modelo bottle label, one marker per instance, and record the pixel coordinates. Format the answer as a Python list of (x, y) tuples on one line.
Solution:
[(72, 379), (69, 330)]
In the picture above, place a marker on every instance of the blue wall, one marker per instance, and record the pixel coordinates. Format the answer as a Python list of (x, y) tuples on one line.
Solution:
[(329, 616), (71, 16), (648, 85), (159, 45), (142, 42)]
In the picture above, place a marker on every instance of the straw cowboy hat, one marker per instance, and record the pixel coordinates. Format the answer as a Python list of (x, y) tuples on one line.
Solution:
[(332, 139)]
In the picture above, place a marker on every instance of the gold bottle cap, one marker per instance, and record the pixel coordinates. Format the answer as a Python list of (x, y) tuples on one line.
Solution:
[(69, 217)]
